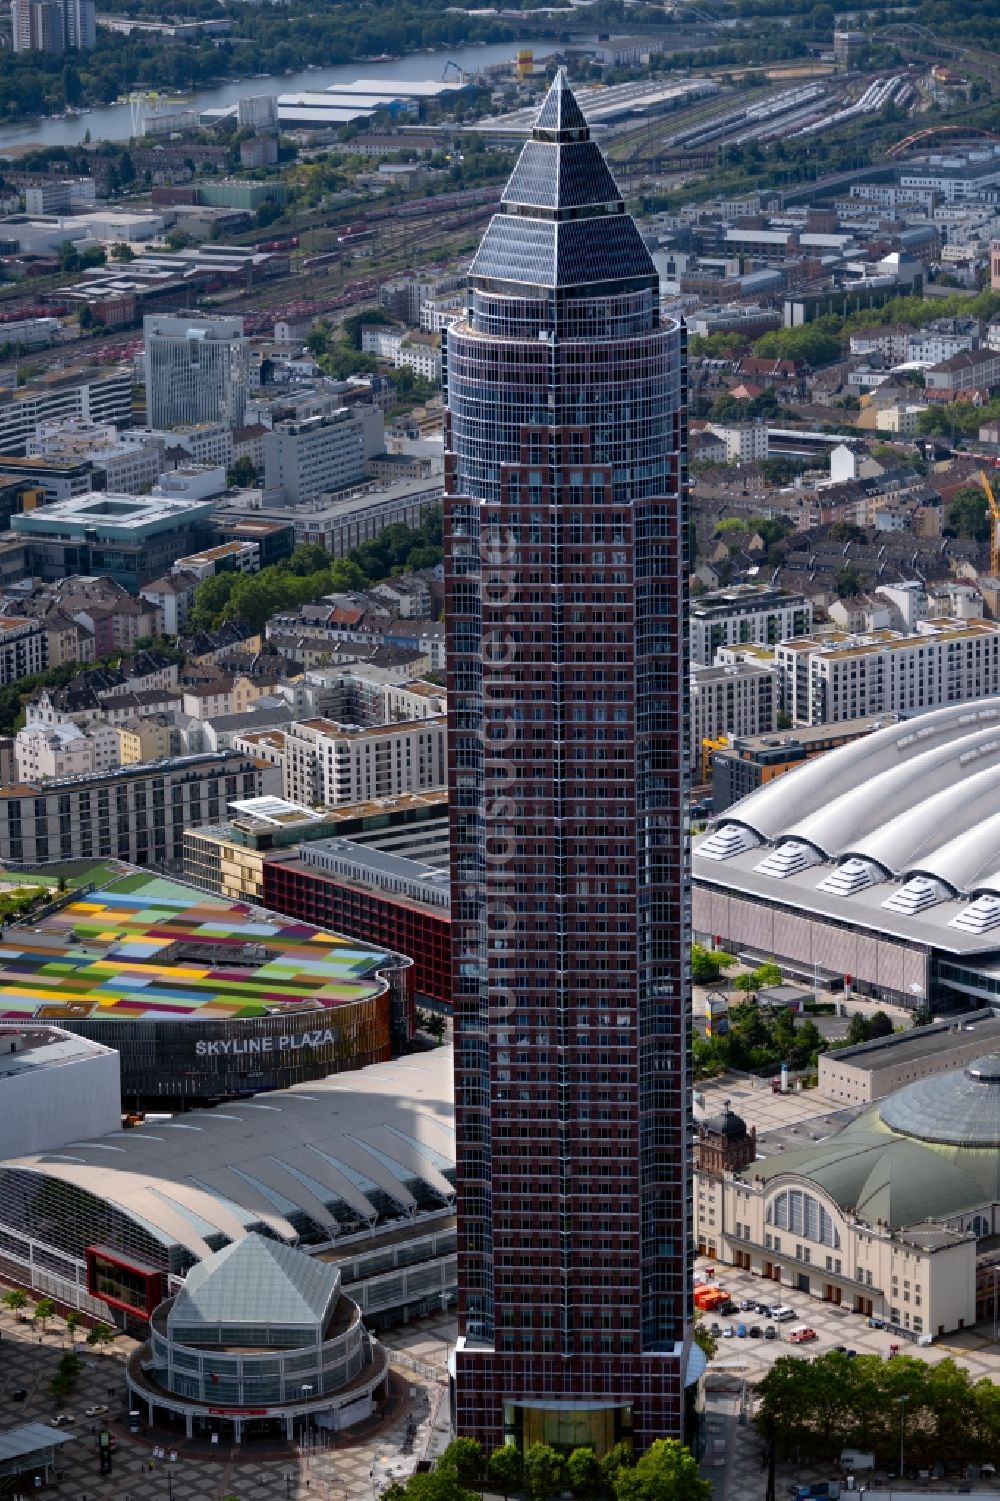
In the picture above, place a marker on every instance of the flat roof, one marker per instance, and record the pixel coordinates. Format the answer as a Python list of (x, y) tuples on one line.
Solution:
[(44, 1047), (144, 949), (922, 1042), (31, 1438)]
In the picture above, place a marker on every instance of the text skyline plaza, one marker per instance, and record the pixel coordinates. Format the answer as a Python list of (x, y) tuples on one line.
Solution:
[(566, 609)]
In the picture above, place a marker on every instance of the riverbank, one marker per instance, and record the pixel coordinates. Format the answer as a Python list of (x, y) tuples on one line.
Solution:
[(113, 122)]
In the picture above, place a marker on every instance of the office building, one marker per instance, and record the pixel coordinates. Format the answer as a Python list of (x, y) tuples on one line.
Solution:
[(744, 615), (197, 369), (378, 896), (95, 393), (321, 454), (566, 610), (327, 763), (740, 698), (832, 675), (130, 539), (873, 1070)]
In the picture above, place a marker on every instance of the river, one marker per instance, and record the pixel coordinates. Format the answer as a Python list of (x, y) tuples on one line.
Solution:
[(114, 122)]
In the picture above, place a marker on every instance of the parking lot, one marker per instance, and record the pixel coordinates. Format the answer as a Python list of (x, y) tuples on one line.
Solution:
[(157, 1467)]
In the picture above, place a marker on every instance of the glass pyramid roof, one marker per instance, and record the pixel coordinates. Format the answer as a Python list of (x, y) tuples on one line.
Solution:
[(561, 175), (560, 111), (562, 222), (257, 1281)]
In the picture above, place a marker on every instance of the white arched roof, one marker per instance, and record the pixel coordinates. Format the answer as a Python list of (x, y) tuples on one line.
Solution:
[(781, 807)]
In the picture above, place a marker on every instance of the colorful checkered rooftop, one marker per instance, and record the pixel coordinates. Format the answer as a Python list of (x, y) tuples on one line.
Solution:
[(106, 957)]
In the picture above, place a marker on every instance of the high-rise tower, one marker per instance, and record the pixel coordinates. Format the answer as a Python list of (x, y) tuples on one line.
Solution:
[(565, 547)]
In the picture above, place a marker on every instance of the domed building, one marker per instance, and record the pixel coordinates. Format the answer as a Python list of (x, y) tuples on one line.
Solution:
[(259, 1336), (893, 1216)]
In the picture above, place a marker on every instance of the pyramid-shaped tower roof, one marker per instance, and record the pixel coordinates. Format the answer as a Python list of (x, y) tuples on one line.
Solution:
[(257, 1281), (563, 220)]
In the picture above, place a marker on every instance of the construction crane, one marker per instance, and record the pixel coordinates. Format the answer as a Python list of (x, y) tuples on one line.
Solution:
[(994, 524)]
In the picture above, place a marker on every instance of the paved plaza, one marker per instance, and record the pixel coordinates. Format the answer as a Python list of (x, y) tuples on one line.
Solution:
[(154, 1465)]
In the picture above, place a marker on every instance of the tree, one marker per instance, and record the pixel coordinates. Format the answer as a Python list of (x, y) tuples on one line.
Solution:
[(101, 1335), (704, 1338), (60, 1387), (242, 472), (506, 1472), (761, 978), (544, 1472), (120, 251), (585, 1476), (848, 582), (72, 1322), (620, 1457), (44, 1310), (668, 1471), (464, 1457), (15, 1299), (708, 964), (969, 515)]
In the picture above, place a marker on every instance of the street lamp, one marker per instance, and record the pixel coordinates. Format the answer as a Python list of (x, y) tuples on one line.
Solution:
[(901, 1404)]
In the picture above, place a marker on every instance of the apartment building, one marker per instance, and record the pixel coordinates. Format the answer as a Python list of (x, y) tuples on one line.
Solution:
[(65, 750), (134, 813), (972, 370), (741, 698), (832, 675), (746, 614), (327, 764), (746, 442), (23, 648)]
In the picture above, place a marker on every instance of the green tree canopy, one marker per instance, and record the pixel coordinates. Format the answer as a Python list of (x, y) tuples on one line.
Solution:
[(544, 1472), (668, 1471), (464, 1457), (506, 1470), (969, 514)]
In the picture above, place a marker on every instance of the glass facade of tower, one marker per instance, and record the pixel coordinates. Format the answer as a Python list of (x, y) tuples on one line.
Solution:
[(566, 565)]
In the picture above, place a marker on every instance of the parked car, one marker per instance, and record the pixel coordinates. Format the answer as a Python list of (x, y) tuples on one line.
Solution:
[(844, 1350), (756, 1332), (96, 1412), (741, 1331), (715, 1329), (728, 1332), (762, 1309), (802, 1335), (19, 1395), (744, 1305), (770, 1332), (61, 1419), (781, 1313)]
